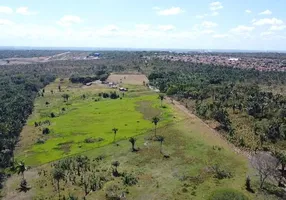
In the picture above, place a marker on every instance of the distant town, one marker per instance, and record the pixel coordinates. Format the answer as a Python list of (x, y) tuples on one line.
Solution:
[(243, 60)]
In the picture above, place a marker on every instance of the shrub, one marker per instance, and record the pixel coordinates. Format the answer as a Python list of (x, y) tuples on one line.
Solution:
[(105, 95), (46, 131), (227, 194), (40, 141), (221, 173), (113, 95), (93, 140), (53, 115), (129, 179)]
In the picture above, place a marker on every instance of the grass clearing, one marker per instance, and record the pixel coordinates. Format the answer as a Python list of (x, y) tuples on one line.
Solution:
[(131, 79), (196, 156), (188, 173), (79, 119)]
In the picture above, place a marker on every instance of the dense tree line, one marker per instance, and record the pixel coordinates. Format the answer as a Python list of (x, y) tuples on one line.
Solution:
[(17, 93), (217, 90), (28, 53)]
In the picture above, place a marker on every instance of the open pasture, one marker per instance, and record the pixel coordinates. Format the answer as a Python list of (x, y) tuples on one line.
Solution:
[(85, 120), (132, 79)]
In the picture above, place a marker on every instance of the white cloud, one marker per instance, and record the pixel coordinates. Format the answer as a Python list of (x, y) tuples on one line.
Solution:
[(155, 8), (166, 27), (201, 16), (241, 29), (248, 11), (170, 11), (267, 21), (143, 27), (220, 36), (111, 28), (214, 13), (68, 20), (5, 22), (209, 24), (207, 31), (215, 5), (6, 10), (267, 33), (277, 28), (266, 12), (25, 11)]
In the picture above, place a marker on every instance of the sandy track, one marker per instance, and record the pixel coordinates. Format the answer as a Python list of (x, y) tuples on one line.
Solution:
[(182, 108)]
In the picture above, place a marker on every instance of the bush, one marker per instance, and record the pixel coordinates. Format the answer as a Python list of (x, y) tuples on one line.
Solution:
[(221, 173), (46, 131), (129, 179), (40, 141), (53, 115), (93, 140), (227, 194)]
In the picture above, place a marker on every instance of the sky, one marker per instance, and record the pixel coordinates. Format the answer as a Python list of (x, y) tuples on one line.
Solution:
[(174, 24)]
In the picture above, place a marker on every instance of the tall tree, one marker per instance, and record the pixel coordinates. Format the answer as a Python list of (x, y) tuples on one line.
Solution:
[(132, 140), (155, 121), (21, 168), (161, 139), (115, 164), (58, 174), (161, 97), (266, 165), (281, 156), (114, 132)]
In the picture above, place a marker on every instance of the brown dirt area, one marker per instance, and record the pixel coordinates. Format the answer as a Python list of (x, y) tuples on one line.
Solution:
[(132, 79)]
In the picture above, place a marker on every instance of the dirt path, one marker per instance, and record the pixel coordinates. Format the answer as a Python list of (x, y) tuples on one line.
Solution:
[(182, 108), (57, 55)]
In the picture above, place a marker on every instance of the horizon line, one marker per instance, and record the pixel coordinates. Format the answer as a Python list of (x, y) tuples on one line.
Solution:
[(134, 48)]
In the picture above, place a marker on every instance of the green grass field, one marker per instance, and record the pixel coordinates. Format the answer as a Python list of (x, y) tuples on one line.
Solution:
[(197, 155), (87, 118)]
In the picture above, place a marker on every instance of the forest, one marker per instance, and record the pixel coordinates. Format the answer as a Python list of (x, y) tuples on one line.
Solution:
[(230, 97), (218, 92)]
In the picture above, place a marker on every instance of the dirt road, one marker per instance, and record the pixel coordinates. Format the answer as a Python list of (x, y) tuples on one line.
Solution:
[(182, 108)]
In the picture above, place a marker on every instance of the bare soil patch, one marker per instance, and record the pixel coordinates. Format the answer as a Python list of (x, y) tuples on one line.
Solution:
[(132, 79)]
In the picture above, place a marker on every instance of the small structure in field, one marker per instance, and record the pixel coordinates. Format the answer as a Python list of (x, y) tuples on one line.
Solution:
[(98, 82), (88, 84), (112, 85), (123, 89)]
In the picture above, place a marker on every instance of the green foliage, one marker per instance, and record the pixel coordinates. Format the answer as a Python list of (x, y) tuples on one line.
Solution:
[(227, 194), (46, 131), (129, 179), (221, 173)]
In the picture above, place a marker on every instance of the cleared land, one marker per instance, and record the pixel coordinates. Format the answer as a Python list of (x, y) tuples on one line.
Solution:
[(196, 155), (85, 116), (132, 79)]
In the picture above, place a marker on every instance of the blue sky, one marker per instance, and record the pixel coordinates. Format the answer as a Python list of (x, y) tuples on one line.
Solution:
[(183, 24)]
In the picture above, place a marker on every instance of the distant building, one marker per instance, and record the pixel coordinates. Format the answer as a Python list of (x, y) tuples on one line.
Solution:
[(96, 54), (233, 59)]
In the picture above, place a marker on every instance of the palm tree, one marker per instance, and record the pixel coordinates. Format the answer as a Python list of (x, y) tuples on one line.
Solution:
[(155, 121), (281, 156), (58, 174), (132, 140), (21, 168), (161, 97), (66, 97), (161, 140), (115, 164), (114, 131)]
